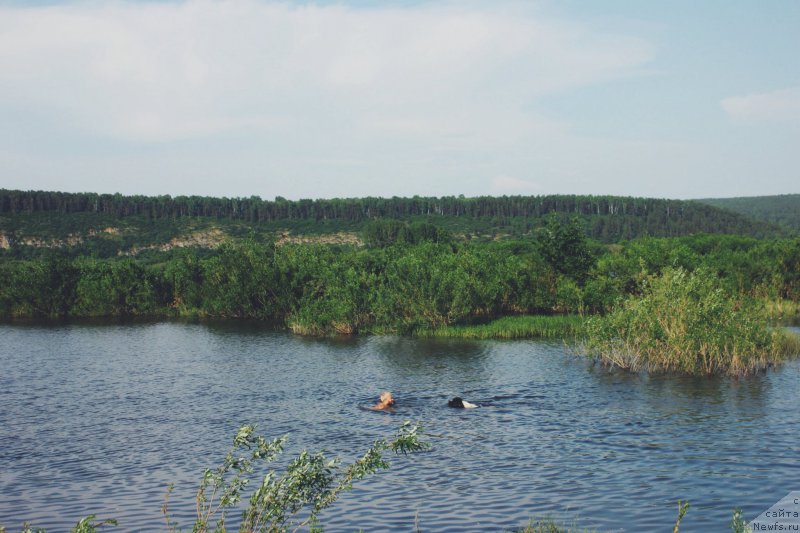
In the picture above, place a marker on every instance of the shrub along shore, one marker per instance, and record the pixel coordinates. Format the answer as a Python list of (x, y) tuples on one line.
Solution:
[(418, 280), (685, 323)]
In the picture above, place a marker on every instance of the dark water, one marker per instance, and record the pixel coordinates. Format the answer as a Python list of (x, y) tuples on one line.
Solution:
[(100, 418)]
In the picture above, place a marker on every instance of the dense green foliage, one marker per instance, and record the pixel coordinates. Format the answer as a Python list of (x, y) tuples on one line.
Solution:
[(385, 232), (322, 289), (781, 209), (688, 323), (256, 209), (564, 247), (104, 224), (310, 288), (415, 278)]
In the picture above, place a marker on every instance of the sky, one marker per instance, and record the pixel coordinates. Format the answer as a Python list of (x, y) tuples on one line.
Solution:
[(326, 99)]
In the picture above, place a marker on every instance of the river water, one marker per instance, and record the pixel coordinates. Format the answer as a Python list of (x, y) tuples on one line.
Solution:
[(99, 418)]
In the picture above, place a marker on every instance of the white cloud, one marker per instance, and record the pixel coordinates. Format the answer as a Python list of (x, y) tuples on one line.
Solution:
[(780, 106), (167, 71), (246, 97)]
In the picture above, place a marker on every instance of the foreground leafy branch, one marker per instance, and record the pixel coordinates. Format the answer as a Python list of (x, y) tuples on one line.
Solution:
[(310, 483)]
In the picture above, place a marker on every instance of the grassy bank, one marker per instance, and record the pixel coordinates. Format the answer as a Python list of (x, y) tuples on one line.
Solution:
[(512, 327)]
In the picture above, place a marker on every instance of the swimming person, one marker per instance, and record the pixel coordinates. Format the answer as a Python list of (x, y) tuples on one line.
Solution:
[(460, 403), (386, 401)]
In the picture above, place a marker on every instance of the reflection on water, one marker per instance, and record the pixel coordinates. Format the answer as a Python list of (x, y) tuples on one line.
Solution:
[(100, 417), (422, 370), (406, 350)]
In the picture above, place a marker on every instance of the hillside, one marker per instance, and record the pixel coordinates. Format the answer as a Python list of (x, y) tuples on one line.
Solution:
[(108, 225), (783, 209)]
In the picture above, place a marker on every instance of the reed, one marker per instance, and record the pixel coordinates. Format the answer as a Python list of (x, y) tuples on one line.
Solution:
[(512, 327), (321, 329), (782, 309), (309, 330), (687, 323), (550, 526), (544, 526)]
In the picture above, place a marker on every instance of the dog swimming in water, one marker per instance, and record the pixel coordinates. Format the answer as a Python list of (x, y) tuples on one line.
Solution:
[(460, 403)]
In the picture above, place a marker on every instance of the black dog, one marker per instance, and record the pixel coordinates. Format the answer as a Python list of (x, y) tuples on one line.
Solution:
[(459, 403)]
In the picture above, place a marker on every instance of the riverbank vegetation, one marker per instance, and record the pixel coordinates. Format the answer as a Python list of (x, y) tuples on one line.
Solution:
[(398, 287), (417, 278), (513, 327), (686, 322)]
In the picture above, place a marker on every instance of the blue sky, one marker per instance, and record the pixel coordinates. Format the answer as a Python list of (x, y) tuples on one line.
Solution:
[(679, 99)]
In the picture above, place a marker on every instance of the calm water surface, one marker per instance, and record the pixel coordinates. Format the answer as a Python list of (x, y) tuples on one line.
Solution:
[(100, 418)]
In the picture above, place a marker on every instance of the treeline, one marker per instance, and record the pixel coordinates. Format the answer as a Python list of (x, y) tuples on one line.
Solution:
[(610, 218), (783, 209), (399, 287)]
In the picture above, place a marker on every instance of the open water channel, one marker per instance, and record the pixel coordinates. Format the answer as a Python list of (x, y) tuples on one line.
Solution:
[(99, 418)]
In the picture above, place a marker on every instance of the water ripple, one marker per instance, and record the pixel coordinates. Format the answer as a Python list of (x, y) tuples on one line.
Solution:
[(101, 418)]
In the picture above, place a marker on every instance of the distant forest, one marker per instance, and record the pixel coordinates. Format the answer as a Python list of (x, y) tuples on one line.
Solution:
[(371, 265), (783, 209), (606, 218)]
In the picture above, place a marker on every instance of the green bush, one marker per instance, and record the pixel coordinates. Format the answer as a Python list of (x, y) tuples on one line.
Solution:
[(687, 323), (310, 483)]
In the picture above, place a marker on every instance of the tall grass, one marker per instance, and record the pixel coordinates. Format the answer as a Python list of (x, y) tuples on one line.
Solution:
[(321, 330), (782, 309), (512, 327), (687, 323)]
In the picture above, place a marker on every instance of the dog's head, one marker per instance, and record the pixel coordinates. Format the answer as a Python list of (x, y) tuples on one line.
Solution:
[(456, 402)]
